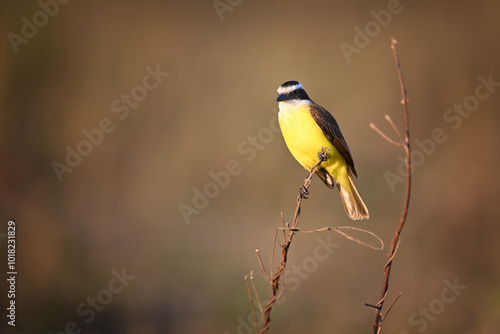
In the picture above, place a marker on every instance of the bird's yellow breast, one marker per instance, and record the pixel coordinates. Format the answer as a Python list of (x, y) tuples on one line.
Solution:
[(304, 140)]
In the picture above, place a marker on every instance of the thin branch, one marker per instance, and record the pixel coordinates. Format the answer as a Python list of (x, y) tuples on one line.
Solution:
[(389, 309), (377, 325), (256, 295), (276, 287), (394, 127), (262, 265), (338, 230), (252, 304), (347, 236), (390, 258), (383, 135)]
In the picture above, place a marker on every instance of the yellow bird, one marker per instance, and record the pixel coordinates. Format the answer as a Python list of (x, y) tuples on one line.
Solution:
[(307, 128)]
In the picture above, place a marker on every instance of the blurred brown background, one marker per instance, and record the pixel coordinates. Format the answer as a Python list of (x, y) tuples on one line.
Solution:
[(119, 210)]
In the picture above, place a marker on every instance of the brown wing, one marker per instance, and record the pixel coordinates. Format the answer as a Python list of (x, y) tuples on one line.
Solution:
[(331, 129), (326, 177)]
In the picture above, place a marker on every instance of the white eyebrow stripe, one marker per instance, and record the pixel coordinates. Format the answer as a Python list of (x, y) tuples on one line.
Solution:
[(289, 89)]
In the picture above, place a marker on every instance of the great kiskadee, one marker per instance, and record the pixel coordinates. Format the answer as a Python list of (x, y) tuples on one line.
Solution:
[(307, 128)]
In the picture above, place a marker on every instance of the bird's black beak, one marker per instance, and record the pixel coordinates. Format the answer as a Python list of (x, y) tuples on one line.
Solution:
[(282, 97)]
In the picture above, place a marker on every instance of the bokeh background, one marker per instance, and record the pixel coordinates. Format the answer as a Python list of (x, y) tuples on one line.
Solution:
[(120, 209)]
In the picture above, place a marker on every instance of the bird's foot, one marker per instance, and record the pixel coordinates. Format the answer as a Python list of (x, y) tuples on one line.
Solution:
[(323, 155), (303, 192)]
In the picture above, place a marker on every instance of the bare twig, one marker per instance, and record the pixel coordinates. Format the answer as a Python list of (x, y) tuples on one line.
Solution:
[(377, 325), (251, 302), (262, 265), (390, 308), (383, 135), (340, 228), (276, 289), (256, 295), (347, 236), (394, 127)]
